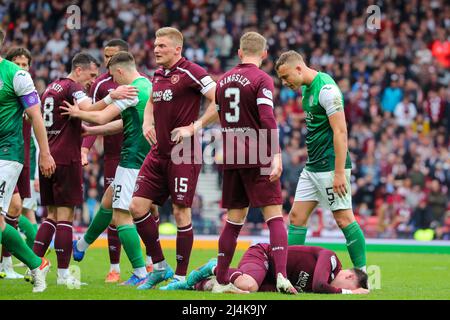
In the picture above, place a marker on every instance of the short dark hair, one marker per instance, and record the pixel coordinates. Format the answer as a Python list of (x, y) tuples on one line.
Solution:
[(122, 44), (361, 278), (2, 36), (83, 60), (17, 52), (121, 57)]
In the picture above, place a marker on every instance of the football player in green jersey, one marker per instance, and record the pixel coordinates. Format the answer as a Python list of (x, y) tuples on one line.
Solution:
[(18, 216), (326, 176), (18, 94)]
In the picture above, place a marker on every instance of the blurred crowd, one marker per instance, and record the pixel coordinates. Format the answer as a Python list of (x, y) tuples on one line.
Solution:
[(394, 78)]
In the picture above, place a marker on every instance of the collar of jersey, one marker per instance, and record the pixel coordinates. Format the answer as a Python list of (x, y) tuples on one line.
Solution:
[(183, 59)]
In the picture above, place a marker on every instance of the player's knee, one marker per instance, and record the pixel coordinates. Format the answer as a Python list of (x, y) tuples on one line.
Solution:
[(246, 283), (136, 210), (343, 219), (15, 208), (297, 219), (182, 216)]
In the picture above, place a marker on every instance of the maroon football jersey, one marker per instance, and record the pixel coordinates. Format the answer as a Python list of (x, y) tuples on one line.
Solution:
[(102, 86), (241, 95), (176, 101), (64, 133), (309, 269)]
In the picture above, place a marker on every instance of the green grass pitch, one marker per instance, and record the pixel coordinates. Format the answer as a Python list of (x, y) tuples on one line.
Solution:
[(403, 276)]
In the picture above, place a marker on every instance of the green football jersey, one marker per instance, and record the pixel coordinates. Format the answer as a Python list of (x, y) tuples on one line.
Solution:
[(321, 99), (16, 91), (134, 147)]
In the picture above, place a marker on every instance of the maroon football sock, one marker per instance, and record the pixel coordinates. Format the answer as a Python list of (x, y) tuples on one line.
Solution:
[(227, 246), (148, 231), (63, 243), (44, 236), (12, 221), (148, 250), (279, 244), (114, 245), (185, 240)]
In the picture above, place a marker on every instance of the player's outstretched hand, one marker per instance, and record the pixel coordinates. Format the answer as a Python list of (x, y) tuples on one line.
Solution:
[(124, 92), (178, 134), (46, 164), (71, 109), (340, 184), (277, 168), (360, 291), (149, 133)]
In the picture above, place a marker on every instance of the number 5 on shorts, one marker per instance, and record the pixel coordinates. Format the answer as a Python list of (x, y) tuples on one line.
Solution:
[(182, 185), (330, 194)]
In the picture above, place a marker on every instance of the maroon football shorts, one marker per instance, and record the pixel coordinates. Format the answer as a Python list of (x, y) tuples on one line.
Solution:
[(160, 178), (64, 187), (255, 263), (244, 187), (110, 167), (23, 183)]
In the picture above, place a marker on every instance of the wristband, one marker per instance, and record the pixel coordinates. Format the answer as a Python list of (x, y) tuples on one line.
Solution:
[(108, 100)]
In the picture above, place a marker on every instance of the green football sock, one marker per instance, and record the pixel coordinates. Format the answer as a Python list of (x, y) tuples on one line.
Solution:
[(28, 229), (101, 221), (131, 243), (296, 235), (18, 248), (0, 236), (356, 244)]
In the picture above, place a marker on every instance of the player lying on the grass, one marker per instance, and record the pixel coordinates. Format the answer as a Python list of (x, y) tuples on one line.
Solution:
[(135, 147), (18, 95), (310, 269)]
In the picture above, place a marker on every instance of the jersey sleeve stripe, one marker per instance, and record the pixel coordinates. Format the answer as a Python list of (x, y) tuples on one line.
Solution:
[(191, 76), (97, 87), (264, 101)]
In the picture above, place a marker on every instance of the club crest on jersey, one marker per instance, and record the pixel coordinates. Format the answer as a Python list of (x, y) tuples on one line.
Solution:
[(175, 78)]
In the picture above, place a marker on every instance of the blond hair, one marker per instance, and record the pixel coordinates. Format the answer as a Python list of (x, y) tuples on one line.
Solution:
[(172, 33), (252, 43), (288, 57)]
